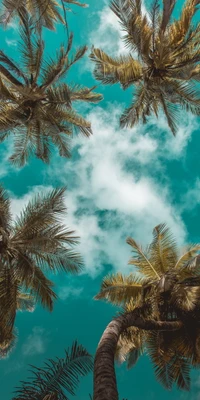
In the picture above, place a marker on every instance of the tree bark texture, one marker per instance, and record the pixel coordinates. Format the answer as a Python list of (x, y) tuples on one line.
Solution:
[(105, 385)]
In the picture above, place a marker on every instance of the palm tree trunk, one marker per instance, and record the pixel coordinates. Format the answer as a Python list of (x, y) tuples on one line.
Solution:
[(105, 385)]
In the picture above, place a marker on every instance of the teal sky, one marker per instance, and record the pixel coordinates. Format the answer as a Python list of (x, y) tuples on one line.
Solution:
[(120, 183)]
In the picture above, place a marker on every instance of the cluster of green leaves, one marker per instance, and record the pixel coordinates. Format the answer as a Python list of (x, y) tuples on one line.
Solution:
[(165, 287), (167, 67)]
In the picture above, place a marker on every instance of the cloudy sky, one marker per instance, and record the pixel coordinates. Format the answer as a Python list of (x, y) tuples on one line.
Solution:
[(119, 183)]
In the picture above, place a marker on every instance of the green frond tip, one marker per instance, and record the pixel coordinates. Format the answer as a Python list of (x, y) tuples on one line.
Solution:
[(57, 376)]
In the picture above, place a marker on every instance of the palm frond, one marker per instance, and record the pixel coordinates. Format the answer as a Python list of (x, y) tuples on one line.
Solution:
[(141, 260), (171, 113), (119, 289), (5, 213), (77, 3), (32, 278), (163, 249), (39, 214), (78, 92), (180, 371), (189, 253), (57, 375), (168, 6), (110, 70), (160, 360)]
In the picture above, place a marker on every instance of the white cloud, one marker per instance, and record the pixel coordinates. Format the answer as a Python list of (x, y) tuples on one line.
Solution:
[(66, 292), (192, 196), (112, 192), (108, 34), (36, 342)]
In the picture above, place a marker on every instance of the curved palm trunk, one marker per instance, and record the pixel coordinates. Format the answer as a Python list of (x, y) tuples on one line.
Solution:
[(105, 385)]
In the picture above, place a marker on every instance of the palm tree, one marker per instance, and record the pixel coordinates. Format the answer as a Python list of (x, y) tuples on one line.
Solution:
[(42, 12), (161, 304), (33, 245), (57, 376), (35, 105), (167, 63)]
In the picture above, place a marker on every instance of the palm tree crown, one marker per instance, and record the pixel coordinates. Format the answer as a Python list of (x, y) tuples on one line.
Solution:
[(167, 63), (42, 12), (165, 288), (35, 105), (34, 244), (57, 377)]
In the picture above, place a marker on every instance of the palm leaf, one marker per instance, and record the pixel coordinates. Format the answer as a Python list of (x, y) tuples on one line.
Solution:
[(110, 70), (189, 253), (168, 6), (57, 376), (163, 249), (39, 214), (119, 289), (141, 260), (5, 214), (180, 371)]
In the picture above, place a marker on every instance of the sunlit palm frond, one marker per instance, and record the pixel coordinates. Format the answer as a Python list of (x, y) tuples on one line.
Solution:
[(57, 376), (188, 253), (35, 105), (141, 260), (163, 249), (39, 214), (167, 64), (179, 28), (184, 297), (111, 70), (119, 289), (78, 93)]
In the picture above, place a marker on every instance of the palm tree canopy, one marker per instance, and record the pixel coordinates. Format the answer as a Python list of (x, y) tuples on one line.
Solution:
[(57, 376), (167, 63), (35, 104), (166, 285), (42, 12), (33, 244)]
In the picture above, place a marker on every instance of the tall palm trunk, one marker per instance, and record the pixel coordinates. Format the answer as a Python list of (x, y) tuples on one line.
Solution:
[(105, 385)]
